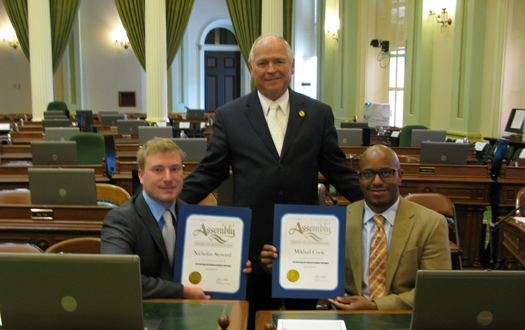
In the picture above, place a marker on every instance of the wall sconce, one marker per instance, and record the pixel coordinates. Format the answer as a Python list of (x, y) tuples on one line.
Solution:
[(441, 18), (8, 35), (332, 28), (121, 38)]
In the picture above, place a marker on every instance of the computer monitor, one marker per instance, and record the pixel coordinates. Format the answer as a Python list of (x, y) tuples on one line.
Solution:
[(515, 121), (62, 122), (54, 152), (193, 149), (350, 136), (195, 114), (129, 126), (60, 133), (110, 119), (443, 153), (62, 186), (419, 135), (147, 133)]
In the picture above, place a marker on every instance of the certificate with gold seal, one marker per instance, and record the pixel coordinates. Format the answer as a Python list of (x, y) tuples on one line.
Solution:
[(212, 249), (310, 241)]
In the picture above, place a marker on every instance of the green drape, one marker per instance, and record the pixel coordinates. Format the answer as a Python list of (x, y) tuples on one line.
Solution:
[(62, 14), (17, 13), (177, 17), (287, 20), (246, 20), (131, 14)]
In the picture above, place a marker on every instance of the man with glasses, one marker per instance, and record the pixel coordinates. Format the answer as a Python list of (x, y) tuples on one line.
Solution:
[(388, 239)]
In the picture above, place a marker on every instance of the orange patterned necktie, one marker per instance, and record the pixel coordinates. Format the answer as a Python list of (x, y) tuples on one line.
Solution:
[(377, 263)]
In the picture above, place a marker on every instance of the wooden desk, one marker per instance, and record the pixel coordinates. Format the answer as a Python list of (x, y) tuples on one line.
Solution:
[(353, 319), (513, 244), (196, 314), (25, 223)]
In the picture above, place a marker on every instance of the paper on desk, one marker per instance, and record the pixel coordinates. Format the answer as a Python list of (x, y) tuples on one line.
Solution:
[(310, 325), (520, 219)]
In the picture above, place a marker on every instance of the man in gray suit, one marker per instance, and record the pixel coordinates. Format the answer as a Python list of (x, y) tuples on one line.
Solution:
[(266, 170), (136, 227)]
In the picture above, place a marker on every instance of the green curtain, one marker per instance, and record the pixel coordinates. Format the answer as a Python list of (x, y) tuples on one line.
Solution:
[(177, 16), (62, 14), (246, 20), (287, 20), (131, 14), (17, 13)]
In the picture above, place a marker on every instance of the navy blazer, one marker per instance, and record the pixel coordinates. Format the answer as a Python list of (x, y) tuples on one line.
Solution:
[(241, 140), (132, 229)]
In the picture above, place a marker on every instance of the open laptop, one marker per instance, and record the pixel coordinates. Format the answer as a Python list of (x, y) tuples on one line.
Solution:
[(70, 291), (110, 119), (54, 152), (147, 133), (60, 133), (195, 114), (130, 126), (193, 149), (419, 135), (54, 114), (62, 122), (62, 186), (350, 136), (469, 299), (443, 153)]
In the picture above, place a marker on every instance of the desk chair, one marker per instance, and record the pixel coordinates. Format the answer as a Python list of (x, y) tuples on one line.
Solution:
[(58, 105), (112, 193), (20, 248), (442, 205), (520, 199), (91, 148), (15, 196), (90, 245), (405, 137)]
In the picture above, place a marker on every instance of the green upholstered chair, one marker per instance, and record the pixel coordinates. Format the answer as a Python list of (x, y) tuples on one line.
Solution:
[(91, 149), (58, 105), (405, 137)]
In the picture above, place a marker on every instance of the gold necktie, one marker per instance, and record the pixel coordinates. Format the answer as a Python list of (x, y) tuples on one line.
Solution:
[(275, 124), (377, 263), (168, 233)]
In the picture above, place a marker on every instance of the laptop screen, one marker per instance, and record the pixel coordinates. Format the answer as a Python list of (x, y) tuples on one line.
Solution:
[(419, 135), (129, 126), (60, 133), (350, 136), (70, 291), (193, 149), (147, 133), (444, 153), (54, 152)]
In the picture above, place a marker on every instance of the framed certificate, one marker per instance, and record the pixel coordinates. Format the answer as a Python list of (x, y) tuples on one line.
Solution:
[(310, 241), (212, 249)]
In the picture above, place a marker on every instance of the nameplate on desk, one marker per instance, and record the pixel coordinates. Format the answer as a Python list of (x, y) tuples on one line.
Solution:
[(184, 125), (42, 214), (427, 170)]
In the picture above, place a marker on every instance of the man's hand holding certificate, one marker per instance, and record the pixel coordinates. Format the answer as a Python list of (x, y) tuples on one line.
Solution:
[(310, 243)]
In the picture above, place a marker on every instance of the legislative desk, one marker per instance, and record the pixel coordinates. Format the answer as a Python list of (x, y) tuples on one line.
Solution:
[(196, 314), (45, 225), (373, 320), (513, 244)]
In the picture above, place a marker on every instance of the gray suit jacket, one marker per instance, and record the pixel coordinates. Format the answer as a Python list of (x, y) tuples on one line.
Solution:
[(132, 229), (419, 241), (241, 139)]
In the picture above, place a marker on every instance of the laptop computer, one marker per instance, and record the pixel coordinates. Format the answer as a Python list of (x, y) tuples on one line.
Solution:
[(54, 152), (193, 149), (60, 133), (419, 135), (63, 122), (110, 119), (54, 114), (62, 186), (468, 299), (350, 136), (443, 153), (195, 114), (147, 133), (351, 124), (70, 291), (129, 126)]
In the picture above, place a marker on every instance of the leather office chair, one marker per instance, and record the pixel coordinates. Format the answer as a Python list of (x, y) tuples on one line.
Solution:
[(112, 193), (15, 196), (20, 248), (210, 200), (90, 245), (405, 137), (91, 148), (443, 205), (520, 199)]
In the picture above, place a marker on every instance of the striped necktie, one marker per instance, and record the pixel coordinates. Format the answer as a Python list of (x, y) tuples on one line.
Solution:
[(377, 263), (275, 124), (168, 233)]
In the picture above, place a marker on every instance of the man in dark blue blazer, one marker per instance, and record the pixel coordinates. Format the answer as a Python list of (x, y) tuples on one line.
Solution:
[(263, 175)]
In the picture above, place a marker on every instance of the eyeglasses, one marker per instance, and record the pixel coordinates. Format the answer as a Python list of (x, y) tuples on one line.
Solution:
[(384, 173)]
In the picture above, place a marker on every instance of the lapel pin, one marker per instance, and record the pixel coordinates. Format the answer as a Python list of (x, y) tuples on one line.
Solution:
[(301, 113)]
